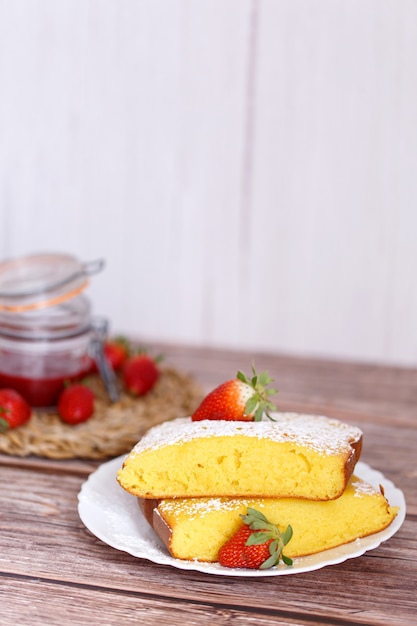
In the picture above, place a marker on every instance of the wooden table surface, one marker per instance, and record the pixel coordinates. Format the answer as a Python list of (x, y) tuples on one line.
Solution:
[(54, 571)]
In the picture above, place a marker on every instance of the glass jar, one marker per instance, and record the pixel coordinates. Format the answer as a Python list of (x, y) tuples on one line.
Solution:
[(45, 325)]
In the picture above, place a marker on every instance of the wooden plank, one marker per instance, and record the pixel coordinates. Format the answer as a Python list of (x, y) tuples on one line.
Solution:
[(39, 515), (329, 165), (256, 160), (37, 603), (141, 112), (48, 559)]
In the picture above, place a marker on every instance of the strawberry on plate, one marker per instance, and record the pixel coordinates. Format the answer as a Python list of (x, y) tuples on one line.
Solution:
[(242, 399), (257, 544), (76, 404), (14, 410), (140, 374)]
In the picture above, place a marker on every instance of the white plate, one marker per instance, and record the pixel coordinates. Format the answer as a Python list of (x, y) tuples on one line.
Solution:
[(113, 515)]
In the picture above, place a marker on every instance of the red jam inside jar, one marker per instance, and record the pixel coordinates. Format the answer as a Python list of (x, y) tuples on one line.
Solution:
[(38, 392), (39, 375), (45, 326)]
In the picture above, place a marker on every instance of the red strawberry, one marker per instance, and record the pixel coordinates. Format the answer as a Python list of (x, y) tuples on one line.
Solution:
[(14, 410), (116, 353), (257, 544), (240, 399), (140, 373), (76, 404)]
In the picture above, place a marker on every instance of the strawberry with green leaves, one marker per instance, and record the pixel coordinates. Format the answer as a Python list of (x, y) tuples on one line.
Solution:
[(140, 374), (257, 544), (76, 404), (241, 399), (14, 410)]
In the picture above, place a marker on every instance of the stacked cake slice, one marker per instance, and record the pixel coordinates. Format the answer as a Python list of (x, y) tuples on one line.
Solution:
[(194, 480)]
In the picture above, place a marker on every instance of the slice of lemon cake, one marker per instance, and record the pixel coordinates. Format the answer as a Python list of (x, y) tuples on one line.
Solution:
[(297, 456), (196, 528)]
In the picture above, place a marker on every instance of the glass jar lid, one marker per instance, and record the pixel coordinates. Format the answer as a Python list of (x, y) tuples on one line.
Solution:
[(43, 280)]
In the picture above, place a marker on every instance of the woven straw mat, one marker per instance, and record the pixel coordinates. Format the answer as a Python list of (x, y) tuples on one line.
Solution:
[(113, 429)]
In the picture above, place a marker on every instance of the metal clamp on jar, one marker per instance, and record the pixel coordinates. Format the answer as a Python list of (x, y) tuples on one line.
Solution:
[(47, 333)]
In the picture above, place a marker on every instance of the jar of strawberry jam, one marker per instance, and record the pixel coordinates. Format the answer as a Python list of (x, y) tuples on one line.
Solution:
[(46, 326)]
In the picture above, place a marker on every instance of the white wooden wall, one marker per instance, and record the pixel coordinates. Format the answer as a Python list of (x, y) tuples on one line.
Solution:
[(247, 168)]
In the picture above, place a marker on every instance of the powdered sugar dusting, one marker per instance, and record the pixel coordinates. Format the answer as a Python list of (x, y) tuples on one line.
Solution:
[(323, 434), (362, 488), (198, 507)]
